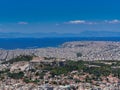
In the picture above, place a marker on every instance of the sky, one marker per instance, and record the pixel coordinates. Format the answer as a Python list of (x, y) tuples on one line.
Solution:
[(60, 16)]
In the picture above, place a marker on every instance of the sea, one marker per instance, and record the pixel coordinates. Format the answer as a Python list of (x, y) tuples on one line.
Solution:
[(33, 43)]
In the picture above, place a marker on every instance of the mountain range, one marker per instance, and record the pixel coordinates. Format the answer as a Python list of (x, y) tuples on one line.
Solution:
[(54, 34)]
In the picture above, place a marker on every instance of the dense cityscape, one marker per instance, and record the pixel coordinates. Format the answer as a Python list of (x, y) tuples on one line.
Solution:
[(90, 50), (43, 71)]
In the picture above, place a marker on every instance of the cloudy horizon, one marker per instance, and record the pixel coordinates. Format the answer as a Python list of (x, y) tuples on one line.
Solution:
[(38, 16)]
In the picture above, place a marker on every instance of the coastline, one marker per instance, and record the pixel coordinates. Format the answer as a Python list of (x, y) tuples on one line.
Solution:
[(34, 43), (90, 50)]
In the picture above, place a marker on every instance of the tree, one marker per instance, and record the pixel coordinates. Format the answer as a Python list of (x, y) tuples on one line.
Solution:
[(16, 75), (79, 54)]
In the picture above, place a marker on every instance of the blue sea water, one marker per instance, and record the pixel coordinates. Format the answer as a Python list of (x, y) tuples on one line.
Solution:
[(25, 43)]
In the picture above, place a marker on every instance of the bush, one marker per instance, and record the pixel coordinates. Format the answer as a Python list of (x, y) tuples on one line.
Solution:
[(16, 75), (26, 80)]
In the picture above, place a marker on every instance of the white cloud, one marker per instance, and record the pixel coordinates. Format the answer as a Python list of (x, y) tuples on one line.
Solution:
[(80, 22), (115, 21), (75, 22), (23, 23)]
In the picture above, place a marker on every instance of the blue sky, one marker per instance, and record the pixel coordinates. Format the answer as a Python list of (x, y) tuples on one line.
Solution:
[(61, 16)]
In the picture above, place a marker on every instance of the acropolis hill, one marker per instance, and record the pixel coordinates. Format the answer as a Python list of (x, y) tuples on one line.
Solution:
[(80, 50)]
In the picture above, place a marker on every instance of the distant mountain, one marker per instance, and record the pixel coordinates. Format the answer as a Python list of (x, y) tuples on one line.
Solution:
[(100, 34), (53, 34)]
